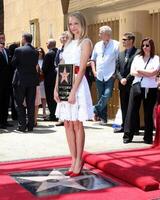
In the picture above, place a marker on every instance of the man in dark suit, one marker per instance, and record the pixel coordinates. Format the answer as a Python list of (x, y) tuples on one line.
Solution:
[(5, 82), (25, 81), (123, 66), (49, 70), (12, 48)]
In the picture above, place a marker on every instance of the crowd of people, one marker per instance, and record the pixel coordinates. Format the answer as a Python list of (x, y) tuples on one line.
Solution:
[(28, 78)]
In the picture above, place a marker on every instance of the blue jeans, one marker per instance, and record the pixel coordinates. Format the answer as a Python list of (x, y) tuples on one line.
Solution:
[(104, 89)]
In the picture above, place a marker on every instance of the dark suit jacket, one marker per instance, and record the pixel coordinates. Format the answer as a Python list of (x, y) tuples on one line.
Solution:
[(57, 58), (49, 68), (24, 61), (123, 67), (5, 69)]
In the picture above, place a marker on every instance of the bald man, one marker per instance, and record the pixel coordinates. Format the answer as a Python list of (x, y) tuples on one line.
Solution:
[(50, 73)]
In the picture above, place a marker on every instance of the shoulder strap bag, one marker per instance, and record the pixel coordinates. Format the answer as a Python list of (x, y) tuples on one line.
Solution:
[(136, 87)]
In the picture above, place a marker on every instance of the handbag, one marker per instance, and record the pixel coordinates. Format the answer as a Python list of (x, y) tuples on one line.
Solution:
[(41, 76), (136, 87)]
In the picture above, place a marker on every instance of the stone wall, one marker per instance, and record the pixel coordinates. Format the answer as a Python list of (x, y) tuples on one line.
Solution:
[(47, 16), (1, 17)]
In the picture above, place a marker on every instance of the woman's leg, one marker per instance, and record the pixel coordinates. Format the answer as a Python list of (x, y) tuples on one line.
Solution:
[(132, 118), (80, 139), (36, 115), (44, 107), (70, 134), (149, 104)]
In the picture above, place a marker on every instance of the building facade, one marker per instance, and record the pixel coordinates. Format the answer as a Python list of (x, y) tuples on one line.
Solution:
[(1, 17), (44, 19), (47, 19)]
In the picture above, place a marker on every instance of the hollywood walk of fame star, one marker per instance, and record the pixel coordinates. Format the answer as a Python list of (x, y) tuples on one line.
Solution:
[(64, 76), (59, 179), (53, 182)]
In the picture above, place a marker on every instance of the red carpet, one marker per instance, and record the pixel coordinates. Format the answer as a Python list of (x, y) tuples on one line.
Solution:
[(10, 190), (157, 136), (136, 172), (140, 168)]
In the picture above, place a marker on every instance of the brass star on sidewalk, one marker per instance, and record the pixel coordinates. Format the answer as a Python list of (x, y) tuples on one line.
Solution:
[(64, 76), (59, 179), (54, 182)]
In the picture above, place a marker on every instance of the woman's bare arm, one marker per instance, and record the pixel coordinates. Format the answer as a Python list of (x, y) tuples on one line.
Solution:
[(86, 49)]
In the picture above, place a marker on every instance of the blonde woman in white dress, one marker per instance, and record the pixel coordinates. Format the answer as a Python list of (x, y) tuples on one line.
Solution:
[(79, 107)]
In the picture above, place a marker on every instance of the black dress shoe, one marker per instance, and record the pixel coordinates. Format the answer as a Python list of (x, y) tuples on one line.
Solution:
[(137, 133), (51, 119), (8, 124), (47, 119), (126, 141), (118, 130), (103, 122), (30, 129), (148, 141), (21, 129), (3, 126), (60, 124), (14, 118)]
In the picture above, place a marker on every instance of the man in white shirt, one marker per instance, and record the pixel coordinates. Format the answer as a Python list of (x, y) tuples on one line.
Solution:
[(103, 65)]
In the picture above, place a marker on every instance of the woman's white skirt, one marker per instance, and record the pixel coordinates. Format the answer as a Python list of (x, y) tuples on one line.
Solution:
[(82, 110)]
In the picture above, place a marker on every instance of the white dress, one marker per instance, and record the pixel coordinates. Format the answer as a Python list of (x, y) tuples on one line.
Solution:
[(82, 110)]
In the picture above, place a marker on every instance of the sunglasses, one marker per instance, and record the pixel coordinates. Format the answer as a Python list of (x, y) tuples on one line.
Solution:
[(124, 39), (145, 45)]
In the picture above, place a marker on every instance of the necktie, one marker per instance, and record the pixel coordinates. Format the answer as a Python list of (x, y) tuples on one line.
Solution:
[(127, 55)]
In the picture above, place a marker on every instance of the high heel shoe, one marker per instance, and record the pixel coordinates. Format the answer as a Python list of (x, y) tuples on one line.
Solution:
[(73, 174), (68, 173)]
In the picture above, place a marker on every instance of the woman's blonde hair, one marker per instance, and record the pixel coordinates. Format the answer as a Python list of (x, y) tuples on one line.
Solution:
[(83, 24)]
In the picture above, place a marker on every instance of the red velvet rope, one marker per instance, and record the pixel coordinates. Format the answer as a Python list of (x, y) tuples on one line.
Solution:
[(157, 136)]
